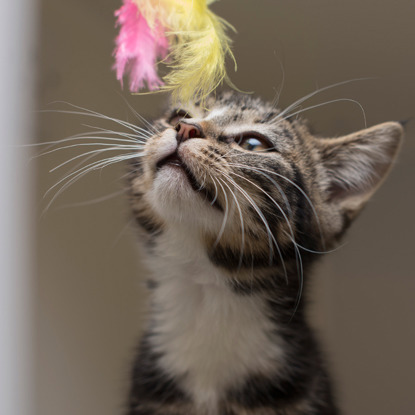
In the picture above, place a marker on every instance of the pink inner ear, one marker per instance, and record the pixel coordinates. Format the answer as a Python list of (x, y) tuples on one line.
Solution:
[(137, 48)]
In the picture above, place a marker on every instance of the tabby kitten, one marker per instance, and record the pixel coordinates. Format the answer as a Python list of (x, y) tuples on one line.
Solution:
[(234, 201)]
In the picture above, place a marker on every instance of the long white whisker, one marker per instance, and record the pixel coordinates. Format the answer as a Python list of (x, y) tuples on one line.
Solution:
[(299, 263), (99, 115), (92, 166), (330, 251), (95, 152), (282, 193), (90, 113), (269, 197), (242, 223), (271, 238), (276, 100), (83, 136), (78, 165), (92, 201), (216, 190), (95, 166), (318, 91), (298, 258), (225, 217), (142, 136), (295, 185), (327, 103), (276, 204), (139, 116), (120, 146)]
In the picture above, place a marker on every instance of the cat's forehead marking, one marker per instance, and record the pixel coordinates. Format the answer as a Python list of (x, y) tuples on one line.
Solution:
[(216, 113), (227, 115), (240, 128)]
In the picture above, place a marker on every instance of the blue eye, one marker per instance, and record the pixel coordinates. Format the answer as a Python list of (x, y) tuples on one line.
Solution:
[(254, 144)]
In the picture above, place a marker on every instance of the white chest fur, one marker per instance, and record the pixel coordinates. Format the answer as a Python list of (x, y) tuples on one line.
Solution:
[(209, 337)]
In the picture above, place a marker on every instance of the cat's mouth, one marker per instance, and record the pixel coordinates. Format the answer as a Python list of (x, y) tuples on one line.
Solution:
[(175, 160)]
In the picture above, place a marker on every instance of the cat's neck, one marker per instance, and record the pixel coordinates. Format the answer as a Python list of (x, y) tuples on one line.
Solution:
[(208, 335)]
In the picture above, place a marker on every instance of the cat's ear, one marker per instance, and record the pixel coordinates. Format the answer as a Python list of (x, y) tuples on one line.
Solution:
[(356, 164)]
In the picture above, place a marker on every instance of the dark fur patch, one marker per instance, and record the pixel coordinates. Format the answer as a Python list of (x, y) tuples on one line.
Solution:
[(151, 384), (149, 225)]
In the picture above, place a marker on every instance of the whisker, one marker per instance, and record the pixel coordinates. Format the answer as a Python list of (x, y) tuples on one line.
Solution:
[(139, 116), (242, 166), (277, 205), (318, 91), (83, 171), (271, 238), (225, 217), (92, 201), (90, 113), (298, 257), (276, 99), (242, 224), (259, 171), (94, 152), (330, 251), (270, 197), (327, 103), (216, 190), (78, 165), (92, 166), (299, 263), (100, 141), (121, 146), (81, 136), (143, 136)]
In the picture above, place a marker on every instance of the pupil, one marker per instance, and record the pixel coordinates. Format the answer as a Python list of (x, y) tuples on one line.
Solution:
[(253, 143)]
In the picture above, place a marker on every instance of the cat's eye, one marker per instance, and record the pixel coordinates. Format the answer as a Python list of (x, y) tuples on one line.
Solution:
[(177, 116), (254, 143)]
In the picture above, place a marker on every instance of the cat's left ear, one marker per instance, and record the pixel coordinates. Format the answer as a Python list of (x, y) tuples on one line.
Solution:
[(356, 165)]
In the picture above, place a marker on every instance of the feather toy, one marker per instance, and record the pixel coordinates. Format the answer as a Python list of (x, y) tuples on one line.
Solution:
[(137, 48), (188, 37)]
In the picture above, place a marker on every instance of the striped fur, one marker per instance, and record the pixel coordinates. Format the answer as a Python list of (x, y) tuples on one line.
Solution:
[(230, 236)]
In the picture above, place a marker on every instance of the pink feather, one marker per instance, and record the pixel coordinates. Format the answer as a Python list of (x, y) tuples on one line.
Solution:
[(138, 47)]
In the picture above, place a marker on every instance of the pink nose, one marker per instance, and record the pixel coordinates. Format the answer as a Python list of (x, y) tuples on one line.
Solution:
[(186, 131)]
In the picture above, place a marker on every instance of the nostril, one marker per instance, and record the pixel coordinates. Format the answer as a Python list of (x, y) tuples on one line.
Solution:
[(186, 131)]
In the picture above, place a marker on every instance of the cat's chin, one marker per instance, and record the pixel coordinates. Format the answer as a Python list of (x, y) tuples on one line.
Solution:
[(175, 199)]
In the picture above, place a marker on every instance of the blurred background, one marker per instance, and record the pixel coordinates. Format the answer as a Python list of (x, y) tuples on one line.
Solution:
[(71, 293)]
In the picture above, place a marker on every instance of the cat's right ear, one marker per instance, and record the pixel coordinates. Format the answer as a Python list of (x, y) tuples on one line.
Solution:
[(356, 165)]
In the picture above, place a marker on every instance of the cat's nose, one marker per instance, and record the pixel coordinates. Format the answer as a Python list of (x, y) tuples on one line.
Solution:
[(186, 131)]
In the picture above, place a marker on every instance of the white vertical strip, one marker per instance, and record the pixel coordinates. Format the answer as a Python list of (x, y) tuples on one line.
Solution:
[(17, 51)]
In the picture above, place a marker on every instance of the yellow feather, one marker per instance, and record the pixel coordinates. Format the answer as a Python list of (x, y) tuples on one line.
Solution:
[(198, 43)]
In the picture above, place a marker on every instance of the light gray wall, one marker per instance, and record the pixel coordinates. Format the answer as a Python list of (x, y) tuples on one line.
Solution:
[(90, 301), (17, 32)]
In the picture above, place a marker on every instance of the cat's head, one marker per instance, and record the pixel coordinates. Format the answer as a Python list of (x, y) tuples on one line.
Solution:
[(254, 185)]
